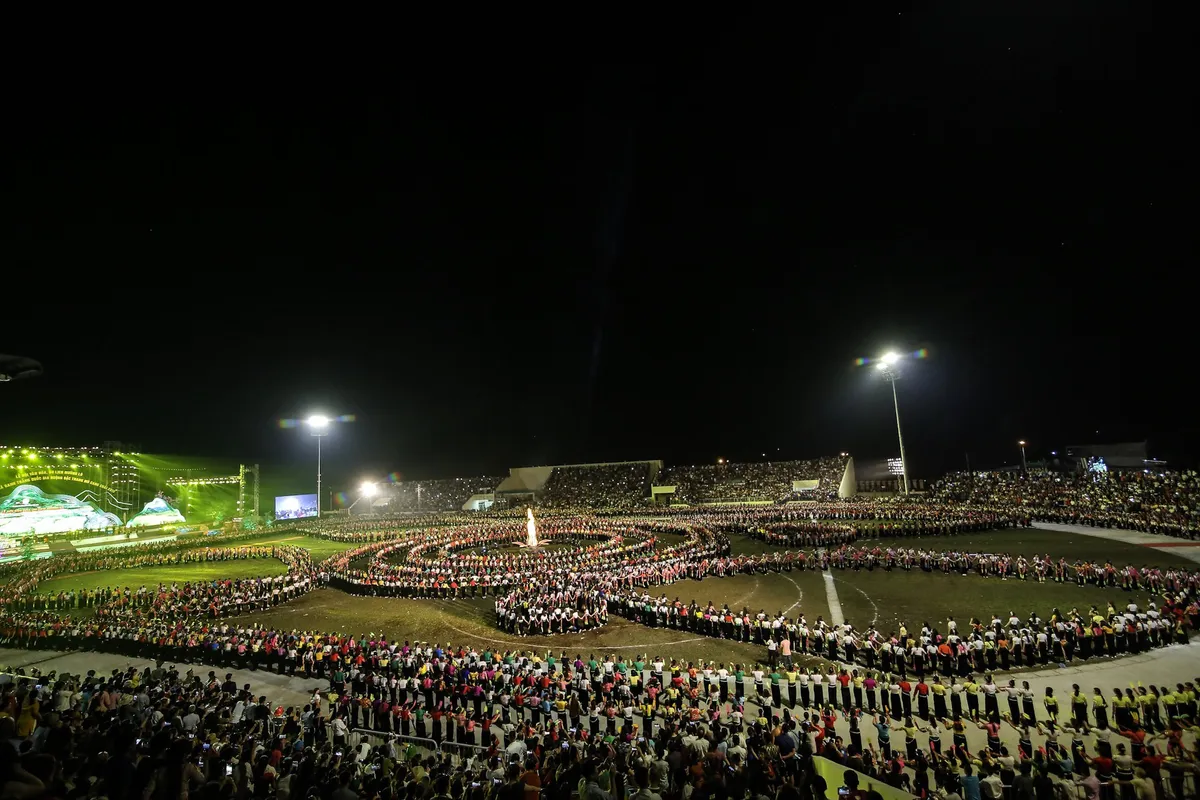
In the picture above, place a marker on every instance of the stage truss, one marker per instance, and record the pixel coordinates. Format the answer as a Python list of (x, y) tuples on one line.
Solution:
[(188, 480)]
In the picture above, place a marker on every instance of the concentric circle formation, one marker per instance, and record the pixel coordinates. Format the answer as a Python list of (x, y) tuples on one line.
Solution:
[(180, 600), (589, 566), (484, 559), (567, 588)]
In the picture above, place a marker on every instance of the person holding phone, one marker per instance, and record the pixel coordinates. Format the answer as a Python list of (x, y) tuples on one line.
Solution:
[(178, 770), (849, 789)]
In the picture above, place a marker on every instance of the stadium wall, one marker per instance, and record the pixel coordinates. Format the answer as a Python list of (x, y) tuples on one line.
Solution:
[(523, 480)]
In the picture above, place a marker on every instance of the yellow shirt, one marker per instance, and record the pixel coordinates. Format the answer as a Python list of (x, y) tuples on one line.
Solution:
[(27, 721)]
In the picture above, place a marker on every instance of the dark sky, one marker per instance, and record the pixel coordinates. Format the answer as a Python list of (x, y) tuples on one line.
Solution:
[(672, 258)]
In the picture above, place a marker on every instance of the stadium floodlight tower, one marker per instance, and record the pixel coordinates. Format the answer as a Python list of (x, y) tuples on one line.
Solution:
[(887, 366), (368, 489), (318, 425)]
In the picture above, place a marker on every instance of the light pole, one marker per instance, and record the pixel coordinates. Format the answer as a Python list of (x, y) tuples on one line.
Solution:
[(887, 368), (319, 426), (1024, 466)]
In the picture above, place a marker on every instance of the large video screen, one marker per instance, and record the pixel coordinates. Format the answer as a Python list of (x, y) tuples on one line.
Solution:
[(295, 506)]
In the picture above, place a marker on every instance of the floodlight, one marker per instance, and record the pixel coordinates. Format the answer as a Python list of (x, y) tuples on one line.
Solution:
[(319, 423), (368, 488), (884, 364)]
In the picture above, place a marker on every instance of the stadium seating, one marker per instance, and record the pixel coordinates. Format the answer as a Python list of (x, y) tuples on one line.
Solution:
[(1141, 500), (754, 482), (611, 486), (438, 495)]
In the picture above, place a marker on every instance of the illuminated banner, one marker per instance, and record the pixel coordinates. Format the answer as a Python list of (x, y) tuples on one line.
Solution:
[(50, 474), (30, 511), (805, 486)]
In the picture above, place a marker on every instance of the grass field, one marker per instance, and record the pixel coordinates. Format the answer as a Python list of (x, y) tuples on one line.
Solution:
[(513, 549), (875, 597), (319, 548), (470, 622), (249, 568), (917, 597), (864, 596), (152, 576)]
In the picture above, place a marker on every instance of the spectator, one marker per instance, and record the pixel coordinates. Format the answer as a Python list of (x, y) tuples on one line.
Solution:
[(598, 486), (755, 482)]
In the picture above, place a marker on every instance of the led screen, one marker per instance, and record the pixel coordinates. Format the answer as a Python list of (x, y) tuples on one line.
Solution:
[(295, 506)]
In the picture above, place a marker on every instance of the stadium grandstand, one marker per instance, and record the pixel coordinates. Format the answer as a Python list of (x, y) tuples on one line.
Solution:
[(620, 484), (772, 481), (1142, 500), (426, 497), (626, 485)]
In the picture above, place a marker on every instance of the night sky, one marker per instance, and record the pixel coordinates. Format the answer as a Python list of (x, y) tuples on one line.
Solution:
[(678, 258)]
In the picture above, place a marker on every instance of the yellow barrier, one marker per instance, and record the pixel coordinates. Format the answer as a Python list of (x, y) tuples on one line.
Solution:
[(834, 775)]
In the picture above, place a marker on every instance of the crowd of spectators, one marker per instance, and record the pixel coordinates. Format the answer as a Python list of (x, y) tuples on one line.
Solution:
[(1143, 500), (752, 482), (612, 727), (426, 497), (609, 486), (522, 725)]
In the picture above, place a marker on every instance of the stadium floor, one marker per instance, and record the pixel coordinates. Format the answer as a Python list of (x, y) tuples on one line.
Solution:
[(877, 597)]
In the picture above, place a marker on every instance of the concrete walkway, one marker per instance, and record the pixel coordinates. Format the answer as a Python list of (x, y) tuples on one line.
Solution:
[(1184, 548), (279, 689)]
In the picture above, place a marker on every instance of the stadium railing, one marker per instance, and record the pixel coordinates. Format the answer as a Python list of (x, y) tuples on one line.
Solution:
[(459, 749)]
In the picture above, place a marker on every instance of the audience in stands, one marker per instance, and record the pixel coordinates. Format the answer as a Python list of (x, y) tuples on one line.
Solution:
[(769, 481), (610, 486), (427, 497), (1142, 500)]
